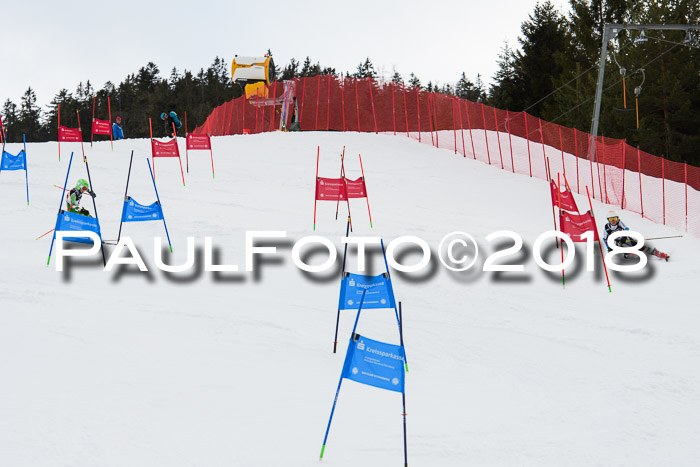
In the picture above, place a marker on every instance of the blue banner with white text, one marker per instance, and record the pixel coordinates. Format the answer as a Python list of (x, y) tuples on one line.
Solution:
[(10, 162), (375, 363), (72, 222), (380, 293), (135, 212)]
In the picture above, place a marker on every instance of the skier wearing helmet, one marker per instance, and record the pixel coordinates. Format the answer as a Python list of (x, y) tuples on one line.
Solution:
[(74, 196), (171, 119), (614, 224)]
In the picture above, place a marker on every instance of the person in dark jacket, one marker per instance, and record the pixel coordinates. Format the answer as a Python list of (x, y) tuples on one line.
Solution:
[(171, 119)]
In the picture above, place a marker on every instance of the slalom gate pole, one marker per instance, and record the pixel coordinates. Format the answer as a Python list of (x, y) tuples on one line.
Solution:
[(44, 234), (342, 277), (187, 147), (600, 246), (178, 154), (386, 263), (161, 206), (403, 394), (82, 146), (111, 133), (59, 132), (661, 238), (366, 194), (318, 152), (337, 205), (150, 130), (126, 195), (345, 186), (554, 216), (92, 129), (104, 260), (337, 392), (563, 280), (60, 205), (26, 165)]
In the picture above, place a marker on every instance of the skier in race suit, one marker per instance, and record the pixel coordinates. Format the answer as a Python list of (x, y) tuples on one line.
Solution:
[(74, 196), (171, 118), (614, 224)]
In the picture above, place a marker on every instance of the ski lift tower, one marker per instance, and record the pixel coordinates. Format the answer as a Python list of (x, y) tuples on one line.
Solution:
[(610, 32)]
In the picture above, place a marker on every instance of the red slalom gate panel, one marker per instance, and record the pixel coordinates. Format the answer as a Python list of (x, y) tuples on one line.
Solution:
[(330, 189), (195, 142), (101, 127), (567, 199), (356, 188), (69, 134), (165, 149), (576, 225)]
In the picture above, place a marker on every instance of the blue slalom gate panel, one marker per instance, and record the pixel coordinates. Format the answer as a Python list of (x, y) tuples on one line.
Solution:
[(375, 363), (380, 293), (72, 222), (10, 162), (135, 212)]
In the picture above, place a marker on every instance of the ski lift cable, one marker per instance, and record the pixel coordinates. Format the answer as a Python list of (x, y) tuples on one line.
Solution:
[(617, 82), (685, 44)]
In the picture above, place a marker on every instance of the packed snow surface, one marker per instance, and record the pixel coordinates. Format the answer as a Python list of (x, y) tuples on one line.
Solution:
[(130, 368)]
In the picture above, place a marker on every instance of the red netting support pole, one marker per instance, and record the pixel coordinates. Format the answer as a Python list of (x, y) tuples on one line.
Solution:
[(483, 116), (437, 133), (318, 99), (187, 147), (357, 106), (342, 96), (82, 147), (563, 279), (605, 177), (364, 182), (393, 105), (685, 177), (639, 171), (510, 141), (469, 125), (544, 155), (454, 124), (301, 111), (498, 136), (461, 129), (371, 99), (663, 186), (405, 110), (178, 154), (600, 247), (109, 113), (527, 140), (328, 117), (274, 107), (590, 161), (430, 121), (561, 145), (153, 159), (624, 155), (257, 110), (578, 188), (417, 106)]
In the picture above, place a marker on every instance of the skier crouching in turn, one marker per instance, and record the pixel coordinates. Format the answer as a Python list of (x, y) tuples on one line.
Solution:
[(615, 225), (171, 119), (74, 196)]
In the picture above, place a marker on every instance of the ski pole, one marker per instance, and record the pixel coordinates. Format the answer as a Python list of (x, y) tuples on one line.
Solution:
[(45, 234), (659, 238)]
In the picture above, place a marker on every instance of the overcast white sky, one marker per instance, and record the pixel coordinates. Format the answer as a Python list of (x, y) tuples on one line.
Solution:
[(51, 45)]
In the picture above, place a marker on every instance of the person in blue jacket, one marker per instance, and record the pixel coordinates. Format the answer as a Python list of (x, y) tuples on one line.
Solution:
[(117, 130), (171, 118)]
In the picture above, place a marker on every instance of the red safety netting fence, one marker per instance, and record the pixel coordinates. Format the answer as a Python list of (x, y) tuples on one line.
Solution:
[(623, 176)]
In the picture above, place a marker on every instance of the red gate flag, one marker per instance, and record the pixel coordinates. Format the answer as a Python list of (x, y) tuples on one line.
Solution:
[(69, 134), (566, 198), (575, 225), (165, 149), (198, 141), (356, 188), (330, 189), (101, 127)]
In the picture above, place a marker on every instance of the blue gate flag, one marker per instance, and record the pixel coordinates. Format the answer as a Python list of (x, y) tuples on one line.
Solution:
[(380, 293), (375, 363), (72, 222), (10, 162), (135, 212)]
